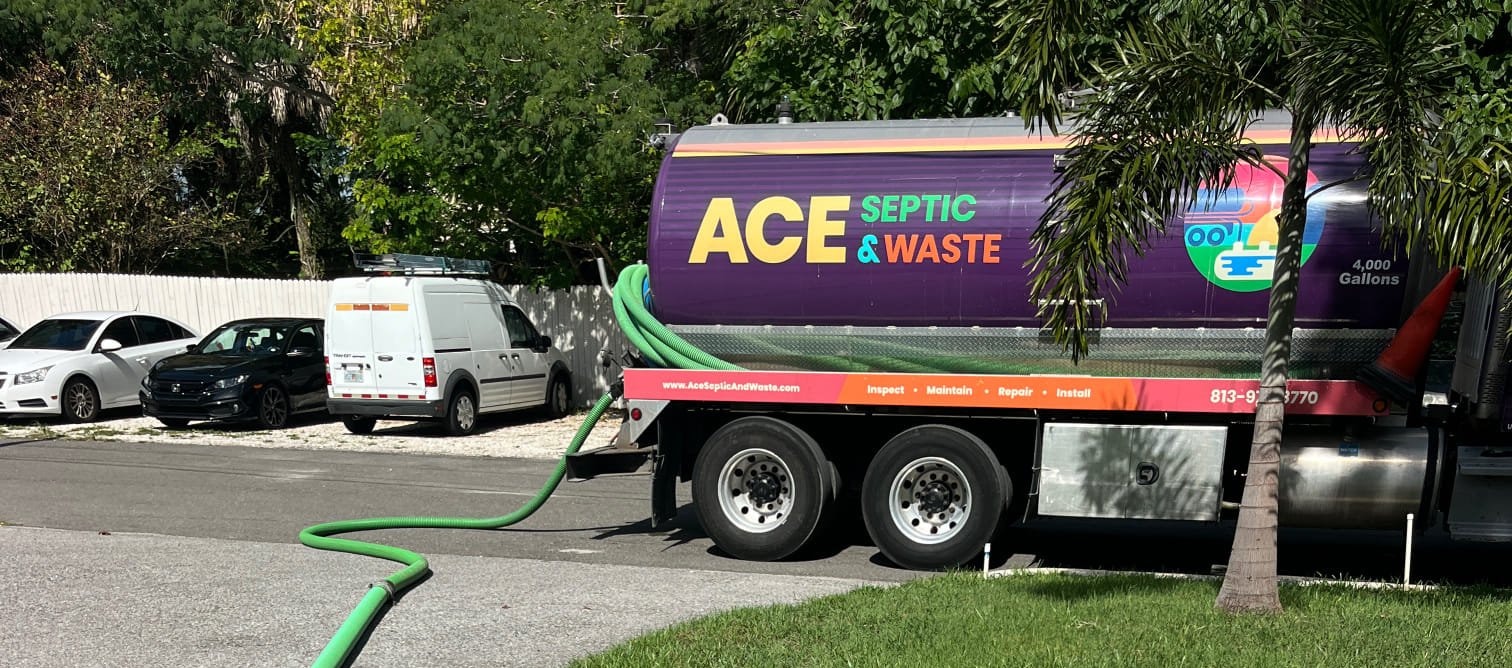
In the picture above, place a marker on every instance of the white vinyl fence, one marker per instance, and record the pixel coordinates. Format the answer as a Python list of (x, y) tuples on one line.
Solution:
[(580, 321)]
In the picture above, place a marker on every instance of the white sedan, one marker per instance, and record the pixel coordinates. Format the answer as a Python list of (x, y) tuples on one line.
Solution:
[(77, 364)]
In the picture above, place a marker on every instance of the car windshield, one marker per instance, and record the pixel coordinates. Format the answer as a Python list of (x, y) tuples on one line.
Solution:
[(244, 339), (57, 335)]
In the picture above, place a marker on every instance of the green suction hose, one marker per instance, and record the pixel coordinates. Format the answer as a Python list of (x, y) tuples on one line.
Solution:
[(653, 339), (415, 565)]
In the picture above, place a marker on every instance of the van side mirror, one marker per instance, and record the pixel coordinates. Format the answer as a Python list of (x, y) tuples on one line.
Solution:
[(543, 343), (301, 351), (109, 345)]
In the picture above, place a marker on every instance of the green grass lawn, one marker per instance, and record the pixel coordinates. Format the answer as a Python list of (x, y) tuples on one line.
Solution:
[(1063, 620)]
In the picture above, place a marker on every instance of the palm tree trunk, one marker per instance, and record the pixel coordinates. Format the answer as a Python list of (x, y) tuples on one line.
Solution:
[(309, 260), (1249, 584)]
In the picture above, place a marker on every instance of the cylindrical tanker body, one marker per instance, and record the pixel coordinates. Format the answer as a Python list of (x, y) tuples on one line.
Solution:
[(904, 245), (851, 248)]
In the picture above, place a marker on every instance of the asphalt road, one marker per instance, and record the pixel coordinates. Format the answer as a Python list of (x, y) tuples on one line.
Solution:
[(199, 563), (269, 495), (128, 555)]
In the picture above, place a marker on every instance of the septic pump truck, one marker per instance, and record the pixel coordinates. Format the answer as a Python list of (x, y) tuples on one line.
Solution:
[(838, 309)]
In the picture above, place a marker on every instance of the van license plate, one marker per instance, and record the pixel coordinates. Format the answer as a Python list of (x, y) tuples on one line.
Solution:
[(353, 376)]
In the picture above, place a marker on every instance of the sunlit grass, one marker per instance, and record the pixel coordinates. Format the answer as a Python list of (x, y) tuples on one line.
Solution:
[(1062, 620)]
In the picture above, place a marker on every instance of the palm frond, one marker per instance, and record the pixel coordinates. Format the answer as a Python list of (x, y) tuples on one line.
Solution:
[(1170, 120), (1048, 43), (1462, 201), (1388, 73)]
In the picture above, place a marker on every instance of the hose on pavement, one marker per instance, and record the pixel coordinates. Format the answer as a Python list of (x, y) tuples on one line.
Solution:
[(654, 340)]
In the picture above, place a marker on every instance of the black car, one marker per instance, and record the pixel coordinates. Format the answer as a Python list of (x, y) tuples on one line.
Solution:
[(262, 369)]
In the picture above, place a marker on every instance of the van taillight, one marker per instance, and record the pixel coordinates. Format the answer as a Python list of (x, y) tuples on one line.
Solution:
[(429, 365), (327, 359)]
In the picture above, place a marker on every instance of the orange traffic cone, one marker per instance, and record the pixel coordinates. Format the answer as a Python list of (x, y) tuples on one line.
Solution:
[(1395, 372)]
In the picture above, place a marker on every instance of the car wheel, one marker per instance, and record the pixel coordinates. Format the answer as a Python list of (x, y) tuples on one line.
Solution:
[(359, 425), (174, 423), (81, 401), (763, 489), (461, 414), (932, 497), (273, 408), (559, 396)]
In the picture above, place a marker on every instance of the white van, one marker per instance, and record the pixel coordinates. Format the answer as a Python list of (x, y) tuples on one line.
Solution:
[(432, 338)]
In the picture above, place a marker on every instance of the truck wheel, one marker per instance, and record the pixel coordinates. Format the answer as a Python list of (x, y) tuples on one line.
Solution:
[(461, 413), (359, 425), (762, 488), (932, 496)]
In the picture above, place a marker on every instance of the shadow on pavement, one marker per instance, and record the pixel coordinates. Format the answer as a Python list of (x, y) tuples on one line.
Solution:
[(678, 531)]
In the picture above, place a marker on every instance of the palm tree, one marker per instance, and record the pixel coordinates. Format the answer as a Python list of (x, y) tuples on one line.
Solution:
[(1169, 90)]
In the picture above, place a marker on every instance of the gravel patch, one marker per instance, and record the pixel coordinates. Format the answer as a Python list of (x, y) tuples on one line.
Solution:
[(505, 435)]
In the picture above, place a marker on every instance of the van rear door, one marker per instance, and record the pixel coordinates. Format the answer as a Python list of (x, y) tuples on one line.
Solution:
[(349, 340), (373, 341), (398, 362)]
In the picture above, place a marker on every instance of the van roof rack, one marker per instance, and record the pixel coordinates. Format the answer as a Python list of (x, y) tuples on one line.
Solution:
[(404, 263)]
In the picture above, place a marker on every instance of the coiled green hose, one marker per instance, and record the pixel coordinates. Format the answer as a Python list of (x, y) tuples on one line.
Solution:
[(653, 339)]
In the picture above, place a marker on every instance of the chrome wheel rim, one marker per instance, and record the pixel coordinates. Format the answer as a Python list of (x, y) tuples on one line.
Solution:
[(930, 500), (756, 490), (559, 398), (273, 410), (465, 413), (81, 401)]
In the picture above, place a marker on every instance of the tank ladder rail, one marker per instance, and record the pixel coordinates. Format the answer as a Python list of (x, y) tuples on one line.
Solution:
[(431, 265)]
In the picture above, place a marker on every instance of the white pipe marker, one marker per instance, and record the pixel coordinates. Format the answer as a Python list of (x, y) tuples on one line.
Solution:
[(1407, 563)]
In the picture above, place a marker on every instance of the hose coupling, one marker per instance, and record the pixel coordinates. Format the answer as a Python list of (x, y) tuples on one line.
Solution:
[(385, 585)]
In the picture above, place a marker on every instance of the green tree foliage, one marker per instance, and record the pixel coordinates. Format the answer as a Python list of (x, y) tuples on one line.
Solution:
[(91, 180), (521, 136), (20, 40), (842, 60), (356, 50), (228, 68), (1452, 190)]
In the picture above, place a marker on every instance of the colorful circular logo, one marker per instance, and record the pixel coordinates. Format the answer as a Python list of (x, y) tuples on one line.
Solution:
[(1231, 238)]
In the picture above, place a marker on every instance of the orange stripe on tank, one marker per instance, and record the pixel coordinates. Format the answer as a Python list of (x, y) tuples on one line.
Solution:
[(921, 145)]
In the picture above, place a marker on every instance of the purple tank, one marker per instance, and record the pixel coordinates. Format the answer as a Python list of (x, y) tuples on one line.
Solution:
[(927, 223)]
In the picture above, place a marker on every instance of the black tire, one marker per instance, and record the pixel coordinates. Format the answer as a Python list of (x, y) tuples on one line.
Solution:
[(272, 408), (359, 425), (559, 395), (81, 401), (948, 491), (789, 476), (461, 413), (174, 423)]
